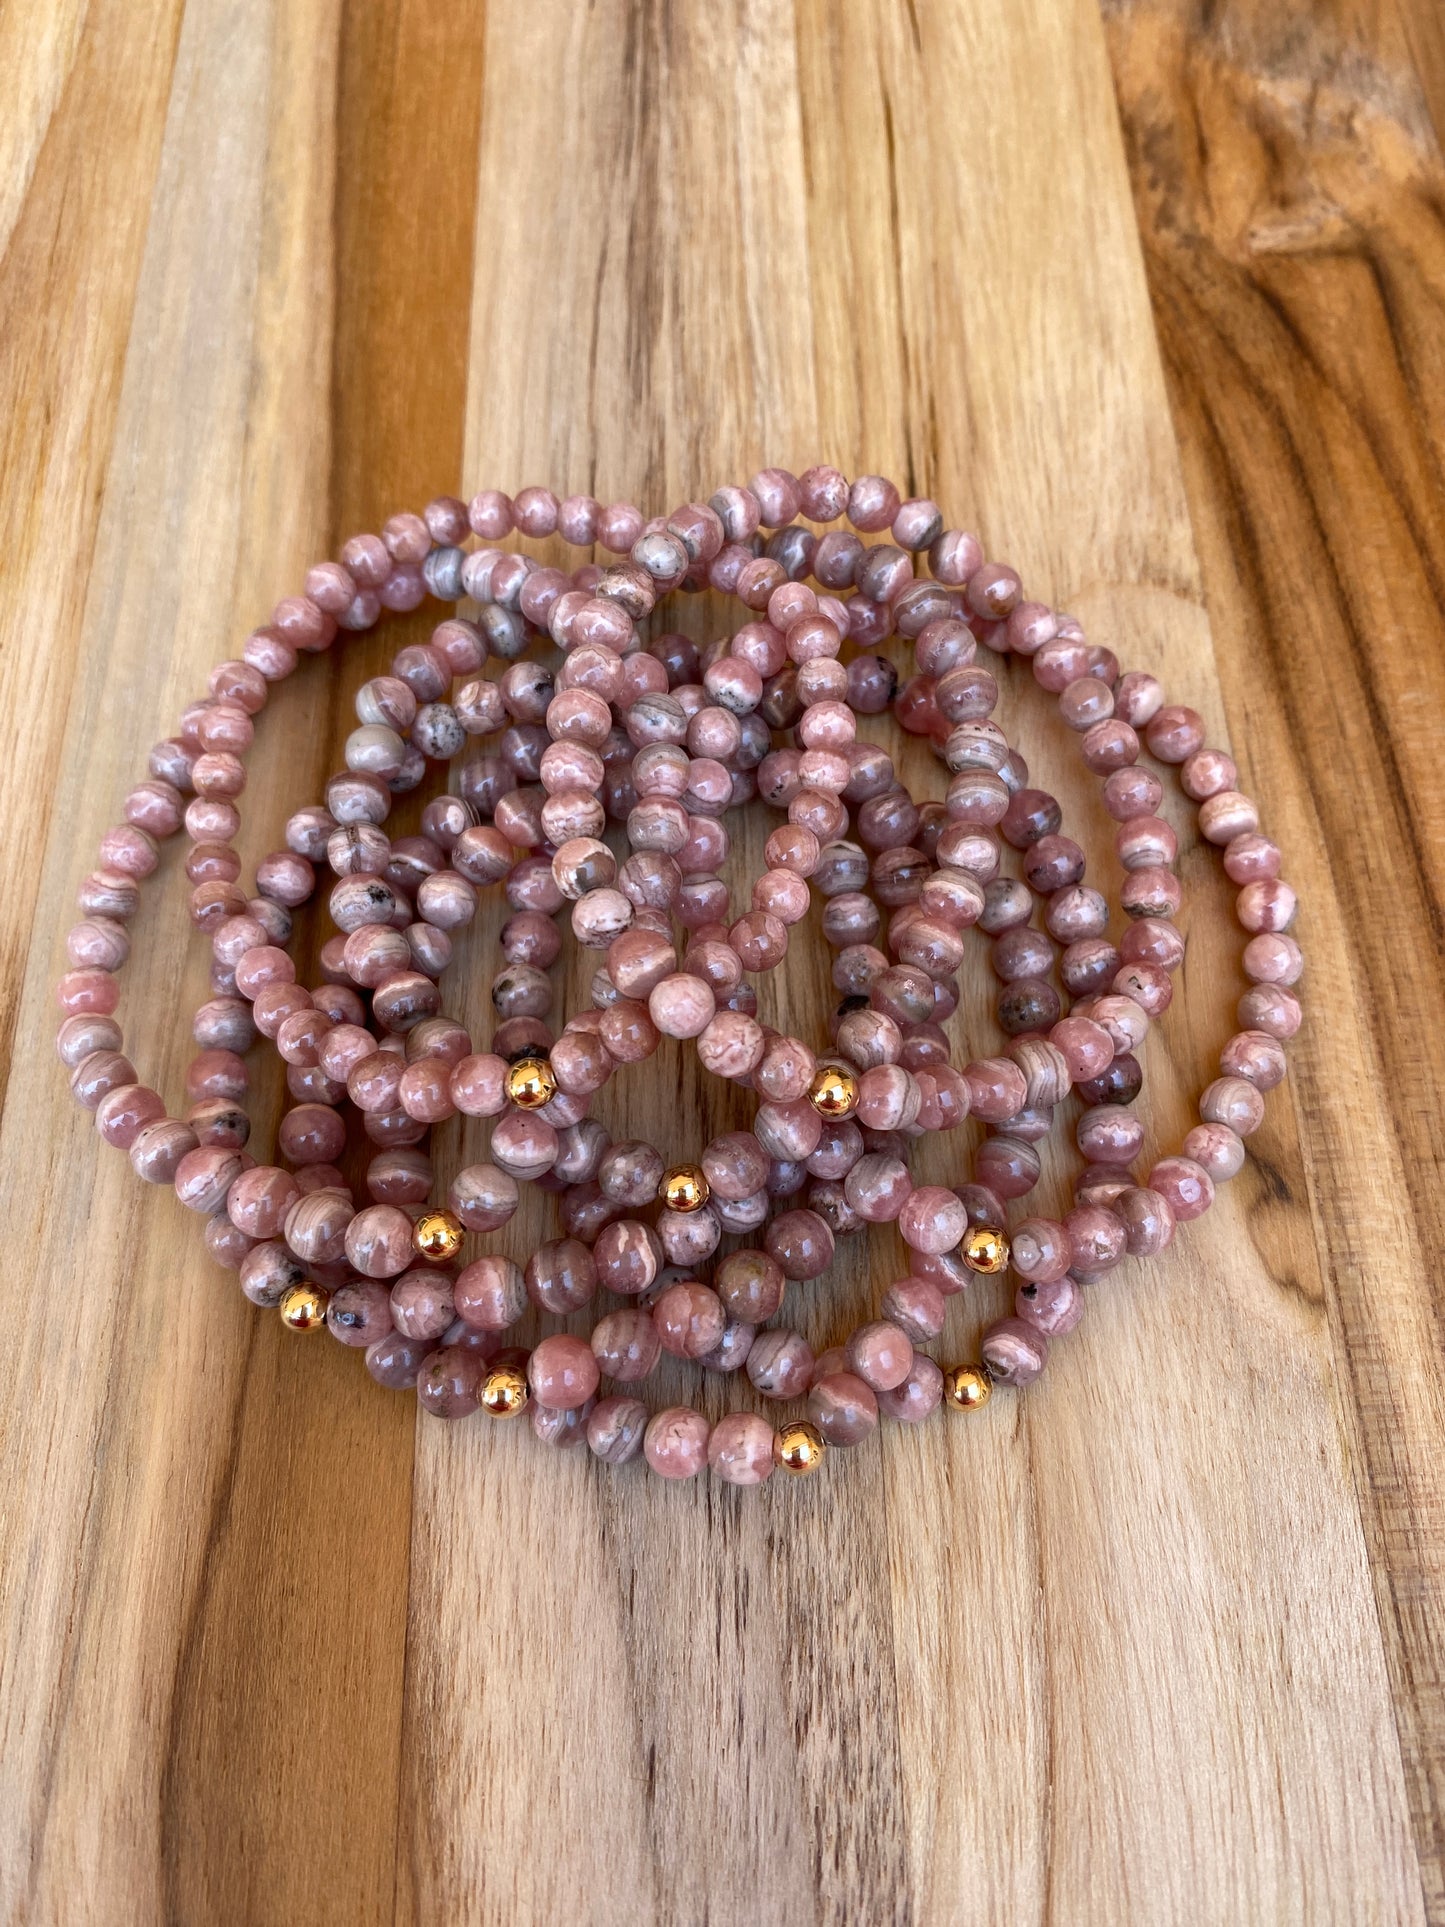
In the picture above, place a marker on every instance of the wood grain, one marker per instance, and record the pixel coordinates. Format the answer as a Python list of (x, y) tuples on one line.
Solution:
[(1154, 301)]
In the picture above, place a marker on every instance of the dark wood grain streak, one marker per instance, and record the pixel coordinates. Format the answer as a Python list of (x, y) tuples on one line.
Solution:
[(1290, 190)]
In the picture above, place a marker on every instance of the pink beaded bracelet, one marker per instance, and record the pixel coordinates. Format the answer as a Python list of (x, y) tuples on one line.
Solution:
[(421, 553)]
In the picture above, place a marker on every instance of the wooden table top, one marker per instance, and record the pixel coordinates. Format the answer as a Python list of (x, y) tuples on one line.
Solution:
[(1154, 300)]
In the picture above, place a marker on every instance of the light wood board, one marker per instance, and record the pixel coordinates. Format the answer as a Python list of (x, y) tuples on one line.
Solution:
[(1153, 299)]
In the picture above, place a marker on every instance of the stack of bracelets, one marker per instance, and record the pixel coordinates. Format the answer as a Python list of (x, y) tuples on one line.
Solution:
[(662, 739)]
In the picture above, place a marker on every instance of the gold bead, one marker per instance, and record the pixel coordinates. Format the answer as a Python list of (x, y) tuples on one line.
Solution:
[(438, 1236), (834, 1092), (504, 1391), (303, 1309), (531, 1083), (799, 1447), (966, 1387), (985, 1249), (685, 1188)]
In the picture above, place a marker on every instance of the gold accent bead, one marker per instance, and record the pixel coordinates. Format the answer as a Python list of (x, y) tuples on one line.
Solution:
[(966, 1387), (504, 1391), (799, 1447), (303, 1309), (985, 1249), (531, 1083), (834, 1092), (438, 1236), (685, 1188)]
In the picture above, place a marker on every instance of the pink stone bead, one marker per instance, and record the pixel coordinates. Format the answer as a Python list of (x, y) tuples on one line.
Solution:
[(1270, 1009), (1207, 773), (1147, 1218), (562, 1373), (1268, 905), (1217, 1149), (158, 1150), (97, 1075), (1227, 815), (359, 1313), (731, 1044), (888, 1098), (916, 1306), (689, 1238), (780, 1364), (877, 1188), (1174, 733), (1185, 1186), (675, 1442), (800, 1243), (1053, 1308), (843, 1407), (523, 1145), (448, 1384), (997, 1089), (1274, 959), (626, 1345), (1087, 1048), (478, 1085), (1097, 1239), (740, 1449), (1146, 842), (125, 1110), (917, 1397), (933, 1220), (421, 1303), (1008, 1166), (615, 1429), (1015, 1353), (1040, 1250), (258, 1201), (379, 1242), (205, 1175), (1109, 1134), (311, 1134), (490, 1294), (1131, 793), (80, 991), (129, 850), (315, 1226), (1235, 1102), (881, 1354), (689, 1319), (750, 1285), (1255, 1056), (85, 1034), (1252, 859)]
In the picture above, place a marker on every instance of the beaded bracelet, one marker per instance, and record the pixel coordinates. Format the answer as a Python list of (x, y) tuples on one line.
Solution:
[(1058, 1309), (1271, 1009)]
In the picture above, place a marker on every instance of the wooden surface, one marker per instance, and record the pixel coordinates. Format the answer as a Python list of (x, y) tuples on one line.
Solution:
[(1154, 299)]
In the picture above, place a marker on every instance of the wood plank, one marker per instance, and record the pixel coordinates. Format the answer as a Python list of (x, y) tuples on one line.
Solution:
[(205, 1590), (1288, 183), (1110, 1651), (775, 1732)]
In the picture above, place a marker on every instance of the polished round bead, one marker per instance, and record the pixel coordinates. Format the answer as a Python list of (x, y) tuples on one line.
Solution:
[(799, 1447), (966, 1387), (984, 1249), (438, 1236), (531, 1083), (834, 1092), (503, 1391), (685, 1188), (303, 1308)]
